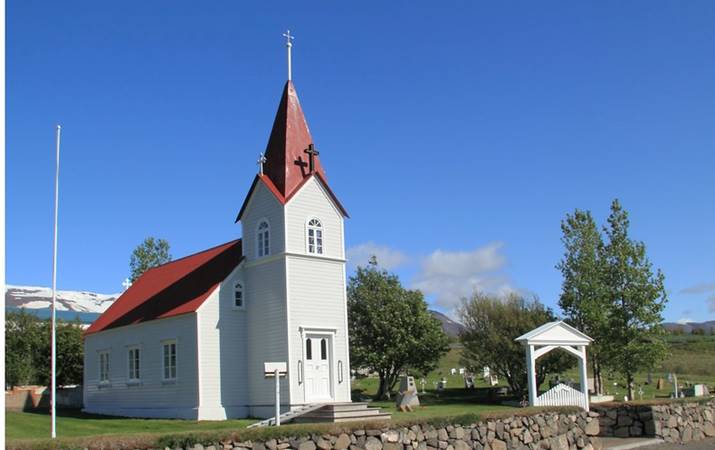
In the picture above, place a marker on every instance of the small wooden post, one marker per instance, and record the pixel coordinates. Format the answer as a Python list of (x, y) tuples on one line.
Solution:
[(278, 397), (583, 373), (531, 373)]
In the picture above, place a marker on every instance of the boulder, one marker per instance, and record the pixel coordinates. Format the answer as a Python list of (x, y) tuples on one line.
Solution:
[(342, 442), (592, 428), (372, 443)]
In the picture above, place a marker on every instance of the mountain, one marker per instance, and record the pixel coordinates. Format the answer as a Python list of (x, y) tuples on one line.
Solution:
[(89, 305), (70, 304), (689, 327), (449, 326)]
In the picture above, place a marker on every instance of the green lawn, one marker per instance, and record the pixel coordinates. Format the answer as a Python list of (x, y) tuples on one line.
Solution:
[(72, 423), (691, 357)]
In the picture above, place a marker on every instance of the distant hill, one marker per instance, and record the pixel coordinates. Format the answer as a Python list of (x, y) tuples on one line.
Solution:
[(688, 327), (70, 304), (89, 305), (450, 327)]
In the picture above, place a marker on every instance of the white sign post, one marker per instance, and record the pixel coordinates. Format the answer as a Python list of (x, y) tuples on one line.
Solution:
[(276, 369)]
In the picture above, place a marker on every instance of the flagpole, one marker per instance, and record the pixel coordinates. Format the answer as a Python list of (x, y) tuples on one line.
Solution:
[(54, 292)]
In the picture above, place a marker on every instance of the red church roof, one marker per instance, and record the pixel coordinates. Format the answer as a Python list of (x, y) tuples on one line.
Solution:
[(286, 161), (172, 289), (287, 166)]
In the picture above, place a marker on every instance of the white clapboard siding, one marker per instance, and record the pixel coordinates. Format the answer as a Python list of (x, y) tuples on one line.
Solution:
[(152, 396), (263, 205), (312, 201), (562, 395)]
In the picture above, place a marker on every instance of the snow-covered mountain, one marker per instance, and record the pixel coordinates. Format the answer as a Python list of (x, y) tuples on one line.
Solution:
[(34, 297)]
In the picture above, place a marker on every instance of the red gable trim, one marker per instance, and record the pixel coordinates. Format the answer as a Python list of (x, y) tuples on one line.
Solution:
[(178, 287), (283, 200)]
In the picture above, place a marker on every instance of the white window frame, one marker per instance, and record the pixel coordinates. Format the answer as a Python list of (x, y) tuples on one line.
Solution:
[(261, 250), (308, 228), (137, 370), (102, 356), (236, 285), (164, 344)]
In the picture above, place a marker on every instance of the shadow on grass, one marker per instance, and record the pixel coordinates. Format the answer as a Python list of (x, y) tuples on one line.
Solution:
[(76, 413), (450, 396)]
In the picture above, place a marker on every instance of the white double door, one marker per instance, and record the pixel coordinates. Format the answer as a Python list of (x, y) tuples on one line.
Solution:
[(318, 367)]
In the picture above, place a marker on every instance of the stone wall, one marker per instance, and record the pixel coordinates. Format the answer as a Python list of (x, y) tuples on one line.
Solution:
[(677, 421), (553, 431)]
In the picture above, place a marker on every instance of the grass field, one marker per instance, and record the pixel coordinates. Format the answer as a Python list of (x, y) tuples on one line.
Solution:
[(691, 357), (72, 423)]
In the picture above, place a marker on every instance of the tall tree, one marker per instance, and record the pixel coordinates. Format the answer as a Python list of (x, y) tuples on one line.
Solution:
[(391, 329), (150, 253), (23, 338), (584, 295), (637, 298), (27, 350), (491, 325)]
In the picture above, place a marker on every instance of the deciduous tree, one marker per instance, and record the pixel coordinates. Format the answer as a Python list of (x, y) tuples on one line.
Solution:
[(150, 253), (491, 325), (584, 296), (637, 298), (391, 329)]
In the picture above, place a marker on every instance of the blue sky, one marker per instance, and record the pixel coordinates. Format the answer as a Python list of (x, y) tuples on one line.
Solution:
[(458, 136)]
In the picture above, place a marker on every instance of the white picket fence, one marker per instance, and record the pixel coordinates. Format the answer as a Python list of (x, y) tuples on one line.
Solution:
[(562, 395)]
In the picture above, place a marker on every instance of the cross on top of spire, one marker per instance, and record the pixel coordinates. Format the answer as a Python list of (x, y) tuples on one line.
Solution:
[(289, 45)]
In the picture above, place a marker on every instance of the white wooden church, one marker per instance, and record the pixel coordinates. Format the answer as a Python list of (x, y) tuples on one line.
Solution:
[(189, 338)]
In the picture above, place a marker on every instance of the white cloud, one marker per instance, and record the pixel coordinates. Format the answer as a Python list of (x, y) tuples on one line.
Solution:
[(703, 288), (450, 276), (684, 320), (388, 258)]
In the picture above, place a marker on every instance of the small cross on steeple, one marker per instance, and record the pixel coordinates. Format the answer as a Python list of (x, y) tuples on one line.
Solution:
[(261, 160), (126, 284), (289, 45), (312, 153)]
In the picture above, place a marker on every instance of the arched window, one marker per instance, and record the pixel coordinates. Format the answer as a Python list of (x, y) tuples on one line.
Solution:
[(238, 295), (323, 349), (263, 240), (315, 237), (308, 349)]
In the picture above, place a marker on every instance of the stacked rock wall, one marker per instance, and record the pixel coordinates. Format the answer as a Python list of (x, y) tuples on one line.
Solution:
[(554, 431), (679, 422)]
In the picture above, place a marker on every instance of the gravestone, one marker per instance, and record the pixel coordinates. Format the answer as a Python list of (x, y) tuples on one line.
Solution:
[(660, 384), (407, 398), (469, 382)]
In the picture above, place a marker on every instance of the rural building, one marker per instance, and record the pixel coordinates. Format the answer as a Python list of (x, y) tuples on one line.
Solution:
[(189, 338)]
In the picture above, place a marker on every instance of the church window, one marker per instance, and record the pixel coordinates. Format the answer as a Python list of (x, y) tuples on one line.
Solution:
[(323, 349), (308, 349), (315, 237), (104, 367), (169, 360), (238, 295), (134, 360), (263, 239)]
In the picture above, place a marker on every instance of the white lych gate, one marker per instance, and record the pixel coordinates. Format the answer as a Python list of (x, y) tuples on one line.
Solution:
[(542, 340)]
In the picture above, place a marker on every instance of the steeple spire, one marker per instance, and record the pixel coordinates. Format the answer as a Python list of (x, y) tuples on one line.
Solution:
[(290, 154), (289, 46)]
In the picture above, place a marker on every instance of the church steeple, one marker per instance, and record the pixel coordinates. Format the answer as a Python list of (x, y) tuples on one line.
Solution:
[(290, 158), (290, 154)]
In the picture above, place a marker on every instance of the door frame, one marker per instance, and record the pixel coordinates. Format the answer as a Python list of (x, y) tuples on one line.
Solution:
[(329, 332)]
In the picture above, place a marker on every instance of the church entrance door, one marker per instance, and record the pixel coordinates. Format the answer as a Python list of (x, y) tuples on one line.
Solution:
[(318, 364)]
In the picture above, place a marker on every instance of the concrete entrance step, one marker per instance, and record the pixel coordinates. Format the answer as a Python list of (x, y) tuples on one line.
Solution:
[(328, 412), (343, 412)]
